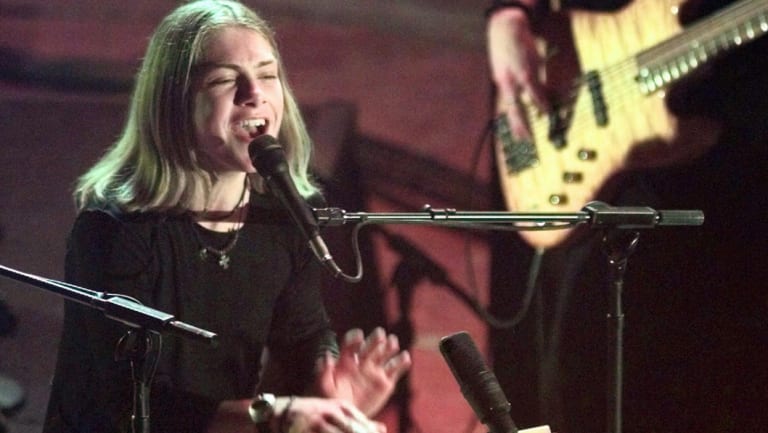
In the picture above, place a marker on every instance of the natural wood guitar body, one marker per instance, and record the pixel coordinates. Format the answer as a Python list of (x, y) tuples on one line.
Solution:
[(610, 114)]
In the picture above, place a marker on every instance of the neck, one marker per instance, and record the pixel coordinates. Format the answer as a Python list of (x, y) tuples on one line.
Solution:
[(224, 208)]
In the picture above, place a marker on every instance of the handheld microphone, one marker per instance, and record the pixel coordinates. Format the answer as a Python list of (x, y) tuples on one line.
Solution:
[(268, 157), (478, 383)]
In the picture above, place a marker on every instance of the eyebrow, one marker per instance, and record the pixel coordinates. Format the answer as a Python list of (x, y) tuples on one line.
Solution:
[(210, 65)]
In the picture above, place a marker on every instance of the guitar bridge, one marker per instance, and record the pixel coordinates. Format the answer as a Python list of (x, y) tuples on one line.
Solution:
[(518, 154)]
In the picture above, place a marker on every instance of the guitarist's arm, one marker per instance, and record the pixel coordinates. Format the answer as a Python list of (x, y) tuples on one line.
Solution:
[(514, 60)]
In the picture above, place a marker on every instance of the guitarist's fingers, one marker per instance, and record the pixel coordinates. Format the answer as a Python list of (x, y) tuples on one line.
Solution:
[(517, 123), (532, 92), (515, 67), (510, 105)]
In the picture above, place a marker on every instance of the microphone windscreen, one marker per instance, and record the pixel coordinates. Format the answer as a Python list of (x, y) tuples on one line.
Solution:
[(267, 155), (477, 382)]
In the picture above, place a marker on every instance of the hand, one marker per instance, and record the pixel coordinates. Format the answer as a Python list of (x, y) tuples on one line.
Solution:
[(515, 64), (322, 415), (301, 415), (366, 372)]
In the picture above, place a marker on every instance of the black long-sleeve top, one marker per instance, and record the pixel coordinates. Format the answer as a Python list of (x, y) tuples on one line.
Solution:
[(268, 297)]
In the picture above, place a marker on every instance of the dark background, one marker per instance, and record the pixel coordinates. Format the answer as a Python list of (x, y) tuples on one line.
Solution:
[(396, 95)]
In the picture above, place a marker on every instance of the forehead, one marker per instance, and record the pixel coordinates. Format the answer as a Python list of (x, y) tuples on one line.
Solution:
[(238, 44)]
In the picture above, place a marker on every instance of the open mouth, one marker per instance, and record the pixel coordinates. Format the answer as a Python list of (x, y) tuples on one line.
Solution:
[(253, 127)]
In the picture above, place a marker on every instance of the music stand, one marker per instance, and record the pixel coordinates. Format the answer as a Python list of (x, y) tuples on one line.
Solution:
[(142, 343)]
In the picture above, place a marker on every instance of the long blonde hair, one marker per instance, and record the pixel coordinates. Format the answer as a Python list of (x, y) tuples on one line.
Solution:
[(153, 164)]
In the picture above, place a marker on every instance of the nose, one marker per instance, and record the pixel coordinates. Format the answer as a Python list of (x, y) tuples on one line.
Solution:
[(249, 92)]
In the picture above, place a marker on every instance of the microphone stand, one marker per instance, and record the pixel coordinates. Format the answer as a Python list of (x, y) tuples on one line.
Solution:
[(618, 246), (621, 238), (140, 345)]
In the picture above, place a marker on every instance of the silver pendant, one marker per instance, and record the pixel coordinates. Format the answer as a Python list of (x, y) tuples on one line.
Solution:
[(223, 257), (224, 261)]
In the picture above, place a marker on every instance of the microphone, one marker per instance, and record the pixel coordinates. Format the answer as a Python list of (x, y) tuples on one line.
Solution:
[(268, 157), (478, 383)]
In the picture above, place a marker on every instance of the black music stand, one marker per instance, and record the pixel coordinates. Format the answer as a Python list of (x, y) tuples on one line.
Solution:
[(142, 343)]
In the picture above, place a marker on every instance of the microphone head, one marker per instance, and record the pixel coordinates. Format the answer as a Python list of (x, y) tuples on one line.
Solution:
[(463, 357), (267, 156), (478, 383)]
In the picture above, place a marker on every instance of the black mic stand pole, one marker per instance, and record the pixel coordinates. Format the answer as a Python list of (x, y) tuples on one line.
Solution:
[(618, 246), (141, 344)]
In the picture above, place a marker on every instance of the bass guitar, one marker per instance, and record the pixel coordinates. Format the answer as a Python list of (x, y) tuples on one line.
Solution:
[(613, 116)]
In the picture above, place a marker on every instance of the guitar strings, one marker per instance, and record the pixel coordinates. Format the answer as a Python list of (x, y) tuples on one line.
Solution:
[(621, 89), (620, 81)]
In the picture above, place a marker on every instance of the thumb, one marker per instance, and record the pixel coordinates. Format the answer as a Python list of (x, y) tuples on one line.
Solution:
[(325, 381)]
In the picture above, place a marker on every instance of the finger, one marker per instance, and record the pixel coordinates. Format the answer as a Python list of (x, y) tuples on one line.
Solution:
[(398, 365), (351, 346), (532, 95), (330, 428), (507, 94), (517, 124), (380, 427), (357, 422), (509, 100), (354, 338), (374, 344), (324, 377), (384, 350), (325, 363), (366, 426), (393, 346)]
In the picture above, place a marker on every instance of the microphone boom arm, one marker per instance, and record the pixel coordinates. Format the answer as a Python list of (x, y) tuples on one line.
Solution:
[(597, 214)]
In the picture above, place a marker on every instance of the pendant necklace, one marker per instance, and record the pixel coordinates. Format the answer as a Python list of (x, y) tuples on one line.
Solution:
[(222, 254)]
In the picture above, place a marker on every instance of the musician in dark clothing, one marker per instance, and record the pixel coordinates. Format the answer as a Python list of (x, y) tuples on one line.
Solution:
[(175, 216), (696, 331)]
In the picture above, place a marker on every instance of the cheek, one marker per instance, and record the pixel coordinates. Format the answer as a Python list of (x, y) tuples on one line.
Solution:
[(201, 115), (206, 118), (279, 107)]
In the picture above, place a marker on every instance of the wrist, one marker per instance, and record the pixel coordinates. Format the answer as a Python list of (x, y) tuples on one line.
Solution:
[(283, 414), (270, 413), (262, 411)]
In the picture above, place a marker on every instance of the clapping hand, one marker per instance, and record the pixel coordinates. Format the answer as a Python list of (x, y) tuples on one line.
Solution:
[(366, 371)]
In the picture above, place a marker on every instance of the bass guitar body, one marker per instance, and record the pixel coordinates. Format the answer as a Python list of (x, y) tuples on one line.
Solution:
[(607, 77)]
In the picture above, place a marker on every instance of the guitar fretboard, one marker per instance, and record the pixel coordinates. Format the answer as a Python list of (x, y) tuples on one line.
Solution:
[(729, 28)]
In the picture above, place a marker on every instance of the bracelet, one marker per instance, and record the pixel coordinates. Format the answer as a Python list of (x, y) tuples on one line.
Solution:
[(283, 428), (502, 4)]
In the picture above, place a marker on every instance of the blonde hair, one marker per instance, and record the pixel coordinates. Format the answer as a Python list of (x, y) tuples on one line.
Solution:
[(153, 164)]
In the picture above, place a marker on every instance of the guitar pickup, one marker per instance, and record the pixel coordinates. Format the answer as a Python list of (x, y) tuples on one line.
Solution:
[(559, 119), (600, 109)]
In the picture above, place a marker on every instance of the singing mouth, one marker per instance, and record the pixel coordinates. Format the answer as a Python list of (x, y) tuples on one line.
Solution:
[(254, 127)]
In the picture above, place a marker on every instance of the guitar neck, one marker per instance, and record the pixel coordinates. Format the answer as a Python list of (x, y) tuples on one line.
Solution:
[(731, 27)]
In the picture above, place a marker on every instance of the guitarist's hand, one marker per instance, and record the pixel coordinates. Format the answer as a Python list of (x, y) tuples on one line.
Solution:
[(515, 64)]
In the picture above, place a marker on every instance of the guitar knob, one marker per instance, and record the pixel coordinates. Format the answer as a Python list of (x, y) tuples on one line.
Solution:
[(572, 177), (558, 199), (587, 155)]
